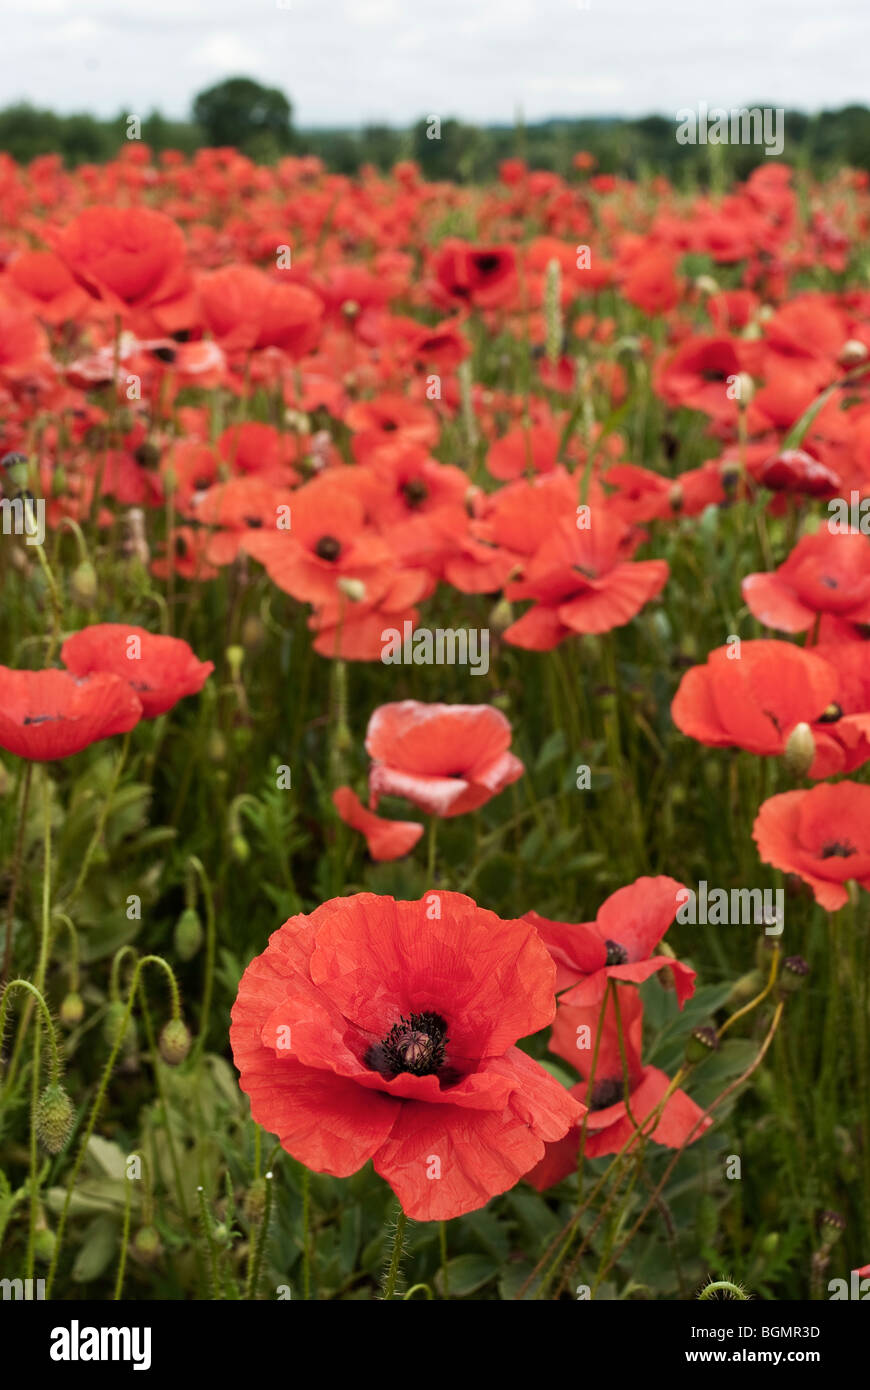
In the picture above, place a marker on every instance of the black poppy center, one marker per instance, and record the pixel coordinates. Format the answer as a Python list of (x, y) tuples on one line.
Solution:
[(838, 849), (487, 264), (328, 548), (255, 522), (415, 492), (605, 1093), (416, 1045), (616, 953), (830, 715)]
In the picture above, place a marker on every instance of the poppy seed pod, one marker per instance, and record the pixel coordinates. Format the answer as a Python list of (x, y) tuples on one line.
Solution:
[(701, 1044), (53, 1119), (831, 1226), (794, 972), (72, 1009)]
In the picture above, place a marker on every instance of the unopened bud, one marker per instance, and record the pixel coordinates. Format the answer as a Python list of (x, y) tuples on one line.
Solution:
[(83, 583), (354, 589), (188, 934), (852, 353), (72, 1010), (175, 1042), (800, 750), (147, 1245), (54, 1118)]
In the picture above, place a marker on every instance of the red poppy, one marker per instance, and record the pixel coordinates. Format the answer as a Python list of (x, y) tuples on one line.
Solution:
[(822, 835), (696, 375), (825, 573), (583, 583), (609, 1127), (446, 759), (485, 276), (47, 286), (384, 1030), (53, 714), (523, 450), (133, 259), (618, 944), (793, 470), (161, 670), (753, 696), (386, 839)]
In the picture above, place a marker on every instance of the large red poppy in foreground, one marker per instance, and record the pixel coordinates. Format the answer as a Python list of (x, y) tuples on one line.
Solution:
[(160, 669), (52, 714), (384, 1030), (446, 759)]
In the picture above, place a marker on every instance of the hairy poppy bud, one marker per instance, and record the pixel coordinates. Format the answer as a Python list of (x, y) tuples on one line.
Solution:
[(800, 750), (72, 1010), (702, 1043), (501, 616), (83, 583), (175, 1042), (240, 849), (43, 1245), (794, 972), (53, 1118), (188, 933), (147, 1245), (255, 1201)]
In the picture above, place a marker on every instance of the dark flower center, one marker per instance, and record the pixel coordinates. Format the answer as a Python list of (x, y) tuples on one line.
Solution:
[(487, 264), (255, 522), (838, 849), (328, 548), (829, 581), (831, 715), (616, 953), (415, 492), (605, 1093), (416, 1045), (39, 718)]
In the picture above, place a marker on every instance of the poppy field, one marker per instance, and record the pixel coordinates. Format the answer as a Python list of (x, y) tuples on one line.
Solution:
[(434, 733)]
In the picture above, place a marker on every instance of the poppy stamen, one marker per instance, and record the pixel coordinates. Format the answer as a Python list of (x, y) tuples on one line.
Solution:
[(616, 953), (605, 1093), (415, 492), (838, 849)]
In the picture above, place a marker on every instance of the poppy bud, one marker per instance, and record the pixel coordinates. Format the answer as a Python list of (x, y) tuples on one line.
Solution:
[(701, 1044), (16, 467), (114, 1027), (705, 284), (240, 849), (43, 1245), (501, 616), (745, 388), (675, 496), (255, 1202), (794, 972), (53, 1119), (770, 1244), (235, 656), (350, 308), (58, 481), (253, 632), (147, 1245), (188, 933), (852, 353), (175, 1042), (354, 589), (83, 583), (800, 750), (72, 1010), (217, 746)]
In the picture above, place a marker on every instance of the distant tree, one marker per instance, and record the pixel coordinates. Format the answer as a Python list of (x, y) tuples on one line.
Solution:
[(241, 112)]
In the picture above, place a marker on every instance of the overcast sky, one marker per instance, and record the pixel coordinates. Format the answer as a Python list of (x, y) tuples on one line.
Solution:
[(346, 62)]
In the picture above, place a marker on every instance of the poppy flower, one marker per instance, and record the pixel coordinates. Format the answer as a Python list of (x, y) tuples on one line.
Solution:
[(133, 260), (386, 839), (446, 759), (384, 1030), (753, 700), (583, 583), (825, 573), (53, 714), (485, 276), (618, 945), (609, 1127), (161, 670), (794, 470), (822, 835), (696, 375)]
